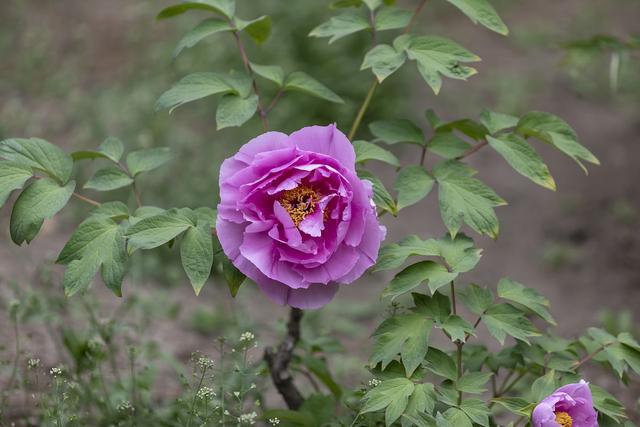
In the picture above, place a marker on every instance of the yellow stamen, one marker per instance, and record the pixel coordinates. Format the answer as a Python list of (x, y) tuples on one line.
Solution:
[(564, 419), (299, 202)]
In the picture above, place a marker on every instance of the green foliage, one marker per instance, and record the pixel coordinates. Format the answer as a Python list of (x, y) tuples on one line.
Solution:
[(481, 12), (302, 82), (412, 185)]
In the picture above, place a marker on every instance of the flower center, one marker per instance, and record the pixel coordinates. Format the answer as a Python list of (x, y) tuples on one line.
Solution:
[(564, 419), (299, 202)]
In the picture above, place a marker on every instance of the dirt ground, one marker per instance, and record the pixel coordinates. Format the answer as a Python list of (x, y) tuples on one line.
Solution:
[(580, 246)]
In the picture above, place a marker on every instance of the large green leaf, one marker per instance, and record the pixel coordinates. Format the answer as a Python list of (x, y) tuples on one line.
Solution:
[(441, 364), (366, 151), (41, 199), (193, 87), (226, 8), (234, 110), (147, 159), (196, 253), (273, 73), (523, 159), (463, 198), (504, 319), (527, 297), (391, 395), (447, 145), (473, 382), (392, 18), (481, 12), (258, 29), (476, 410), (457, 417), (607, 404), (201, 31), (111, 149), (342, 25), (413, 184), (383, 61), (302, 82), (422, 401), (110, 178), (156, 230), (40, 155), (557, 132), (12, 177), (436, 56), (397, 131), (476, 299), (381, 196), (497, 122), (412, 276), (407, 335)]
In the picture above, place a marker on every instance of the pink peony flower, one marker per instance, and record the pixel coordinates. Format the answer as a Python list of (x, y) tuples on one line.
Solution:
[(569, 406), (294, 216)]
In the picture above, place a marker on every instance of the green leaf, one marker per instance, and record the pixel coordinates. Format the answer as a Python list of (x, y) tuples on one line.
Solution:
[(476, 410), (457, 417), (447, 145), (226, 8), (234, 111), (413, 184), (392, 18), (341, 4), (41, 200), (496, 122), (381, 196), (468, 127), (523, 158), (412, 276), (318, 367), (145, 212), (302, 82), (527, 297), (12, 177), (258, 29), (607, 404), (476, 299), (515, 405), (193, 87), (113, 210), (457, 328), (438, 56), (555, 131), (111, 149), (110, 178), (473, 382), (234, 277), (40, 155), (366, 151), (397, 131), (383, 61), (459, 253), (392, 395), (97, 243), (373, 4), (422, 401), (342, 25), (465, 198), (544, 386), (437, 306), (273, 73), (157, 230), (407, 335), (201, 31), (504, 319), (196, 253), (441, 364), (147, 159), (481, 12)]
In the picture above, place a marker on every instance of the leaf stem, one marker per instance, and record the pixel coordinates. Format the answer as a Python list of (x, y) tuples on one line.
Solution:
[(473, 149), (416, 12), (589, 356), (86, 200)]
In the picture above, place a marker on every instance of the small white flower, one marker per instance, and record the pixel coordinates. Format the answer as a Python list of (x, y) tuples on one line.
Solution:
[(274, 421), (252, 386), (56, 372), (249, 418), (33, 363), (206, 393), (374, 382), (236, 394), (204, 363), (247, 337), (125, 406)]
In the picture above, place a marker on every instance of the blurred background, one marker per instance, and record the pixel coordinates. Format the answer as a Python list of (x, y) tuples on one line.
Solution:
[(76, 71)]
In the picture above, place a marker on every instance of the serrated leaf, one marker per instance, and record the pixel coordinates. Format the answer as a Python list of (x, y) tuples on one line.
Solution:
[(496, 122), (391, 18), (523, 159), (457, 328), (436, 56), (224, 7), (407, 335), (422, 401), (381, 196), (366, 151), (473, 382), (196, 253), (481, 12), (607, 404), (342, 25), (107, 179), (383, 61), (147, 159), (557, 132), (397, 131), (302, 82), (193, 87), (504, 319), (273, 73), (40, 200), (234, 111), (414, 275), (204, 29), (441, 364), (258, 29), (476, 299), (40, 155), (156, 230), (13, 176), (447, 145), (463, 198), (527, 297), (413, 183), (393, 393)]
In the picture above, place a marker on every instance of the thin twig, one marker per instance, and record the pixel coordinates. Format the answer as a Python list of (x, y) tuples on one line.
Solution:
[(278, 362), (416, 12), (86, 200), (588, 357), (473, 149)]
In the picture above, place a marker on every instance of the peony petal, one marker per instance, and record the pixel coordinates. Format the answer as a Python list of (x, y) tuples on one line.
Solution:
[(326, 140), (260, 250), (314, 297)]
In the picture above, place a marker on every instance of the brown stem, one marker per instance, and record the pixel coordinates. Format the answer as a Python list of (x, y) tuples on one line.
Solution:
[(416, 12), (588, 357), (473, 149), (278, 362), (86, 200)]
